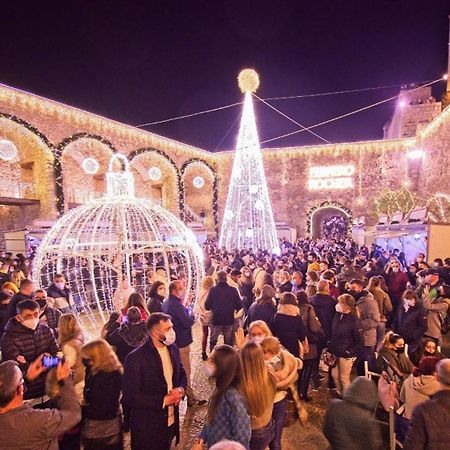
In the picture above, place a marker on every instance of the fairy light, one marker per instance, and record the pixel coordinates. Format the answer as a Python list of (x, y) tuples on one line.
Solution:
[(90, 166), (98, 243), (248, 219)]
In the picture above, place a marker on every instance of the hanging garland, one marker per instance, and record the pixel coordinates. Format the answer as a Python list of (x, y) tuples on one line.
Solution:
[(215, 191), (327, 204), (141, 151)]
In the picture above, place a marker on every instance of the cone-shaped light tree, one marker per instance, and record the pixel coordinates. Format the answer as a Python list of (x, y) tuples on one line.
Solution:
[(248, 218)]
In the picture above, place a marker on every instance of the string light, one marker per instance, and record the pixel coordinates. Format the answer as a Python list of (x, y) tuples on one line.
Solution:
[(98, 243), (415, 154), (248, 220)]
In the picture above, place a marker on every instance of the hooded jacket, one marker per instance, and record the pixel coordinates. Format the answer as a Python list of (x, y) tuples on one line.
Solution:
[(126, 338), (369, 315), (416, 390), (349, 423), (20, 340)]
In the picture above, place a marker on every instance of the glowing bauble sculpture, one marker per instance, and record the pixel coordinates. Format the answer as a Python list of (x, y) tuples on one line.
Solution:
[(90, 166), (97, 244), (248, 218), (154, 173), (8, 151), (198, 182)]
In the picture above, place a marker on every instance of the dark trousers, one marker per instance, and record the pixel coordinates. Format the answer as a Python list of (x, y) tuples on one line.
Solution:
[(305, 376), (205, 332), (217, 330), (364, 355), (261, 438), (278, 415)]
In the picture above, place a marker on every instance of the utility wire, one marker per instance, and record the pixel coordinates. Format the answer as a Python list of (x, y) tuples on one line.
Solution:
[(302, 127), (346, 114)]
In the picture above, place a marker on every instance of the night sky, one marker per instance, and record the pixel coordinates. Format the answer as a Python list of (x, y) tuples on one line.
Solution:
[(142, 61)]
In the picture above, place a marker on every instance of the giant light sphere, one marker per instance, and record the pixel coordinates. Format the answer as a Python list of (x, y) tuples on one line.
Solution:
[(118, 235)]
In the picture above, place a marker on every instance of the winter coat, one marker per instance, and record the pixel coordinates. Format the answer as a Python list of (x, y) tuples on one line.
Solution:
[(25, 428), (20, 340), (349, 423), (428, 427), (231, 421), (369, 315), (412, 324), (63, 298), (223, 301), (383, 301), (314, 332), (400, 362), (325, 308), (50, 317), (287, 326), (247, 295), (203, 315), (182, 320), (155, 304), (416, 390), (396, 284), (126, 338), (261, 311), (101, 395), (287, 374), (346, 339), (436, 311), (12, 305), (144, 389)]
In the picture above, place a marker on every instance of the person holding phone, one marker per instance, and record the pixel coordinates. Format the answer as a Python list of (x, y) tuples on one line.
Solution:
[(25, 427)]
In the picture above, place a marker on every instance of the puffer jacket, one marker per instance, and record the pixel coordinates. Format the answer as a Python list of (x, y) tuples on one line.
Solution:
[(369, 314), (346, 339), (428, 428), (20, 340), (416, 390), (412, 324), (126, 338), (349, 423)]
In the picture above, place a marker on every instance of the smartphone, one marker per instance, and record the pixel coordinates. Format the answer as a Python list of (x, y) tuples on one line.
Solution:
[(51, 361)]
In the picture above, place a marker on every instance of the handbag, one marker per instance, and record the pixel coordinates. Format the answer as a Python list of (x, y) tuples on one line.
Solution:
[(329, 359), (388, 394)]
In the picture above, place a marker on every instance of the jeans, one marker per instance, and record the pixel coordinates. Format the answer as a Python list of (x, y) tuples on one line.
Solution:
[(185, 356), (217, 330), (305, 376), (341, 373), (205, 332), (278, 415), (262, 437)]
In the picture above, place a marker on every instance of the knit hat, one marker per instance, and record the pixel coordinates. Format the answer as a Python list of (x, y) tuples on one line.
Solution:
[(427, 366)]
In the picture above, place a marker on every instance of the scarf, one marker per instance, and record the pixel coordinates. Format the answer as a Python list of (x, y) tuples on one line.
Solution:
[(288, 310)]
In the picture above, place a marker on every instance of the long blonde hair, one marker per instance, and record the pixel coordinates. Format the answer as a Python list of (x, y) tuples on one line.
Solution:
[(207, 282), (257, 384), (101, 356), (17, 276), (69, 328)]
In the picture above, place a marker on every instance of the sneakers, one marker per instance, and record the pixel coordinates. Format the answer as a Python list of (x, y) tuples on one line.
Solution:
[(204, 356), (195, 403)]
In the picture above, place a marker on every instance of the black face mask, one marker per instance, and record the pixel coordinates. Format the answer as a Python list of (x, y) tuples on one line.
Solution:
[(425, 353), (86, 362), (42, 303), (400, 350)]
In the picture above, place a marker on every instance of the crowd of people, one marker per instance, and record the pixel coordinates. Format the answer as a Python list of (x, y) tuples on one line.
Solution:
[(325, 314)]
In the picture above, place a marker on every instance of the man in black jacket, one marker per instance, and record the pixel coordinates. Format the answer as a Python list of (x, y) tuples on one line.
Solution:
[(428, 427), (154, 382), (24, 340), (223, 301)]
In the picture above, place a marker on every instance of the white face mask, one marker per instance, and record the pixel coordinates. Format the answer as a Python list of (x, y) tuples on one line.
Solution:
[(31, 323), (60, 285), (210, 369), (395, 270), (258, 339), (339, 308), (169, 337)]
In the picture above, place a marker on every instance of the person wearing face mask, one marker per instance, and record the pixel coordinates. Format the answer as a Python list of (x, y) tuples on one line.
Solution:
[(61, 293), (157, 294), (47, 315), (427, 347), (263, 308), (346, 340), (393, 351), (411, 321), (24, 338), (154, 383), (227, 416), (183, 320), (102, 421), (396, 282)]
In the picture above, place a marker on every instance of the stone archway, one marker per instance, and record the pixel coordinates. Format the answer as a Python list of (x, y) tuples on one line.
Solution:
[(329, 219)]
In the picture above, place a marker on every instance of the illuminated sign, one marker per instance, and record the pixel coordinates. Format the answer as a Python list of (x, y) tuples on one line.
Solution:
[(331, 177)]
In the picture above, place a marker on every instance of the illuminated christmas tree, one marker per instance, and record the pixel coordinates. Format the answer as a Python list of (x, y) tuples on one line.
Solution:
[(248, 218)]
